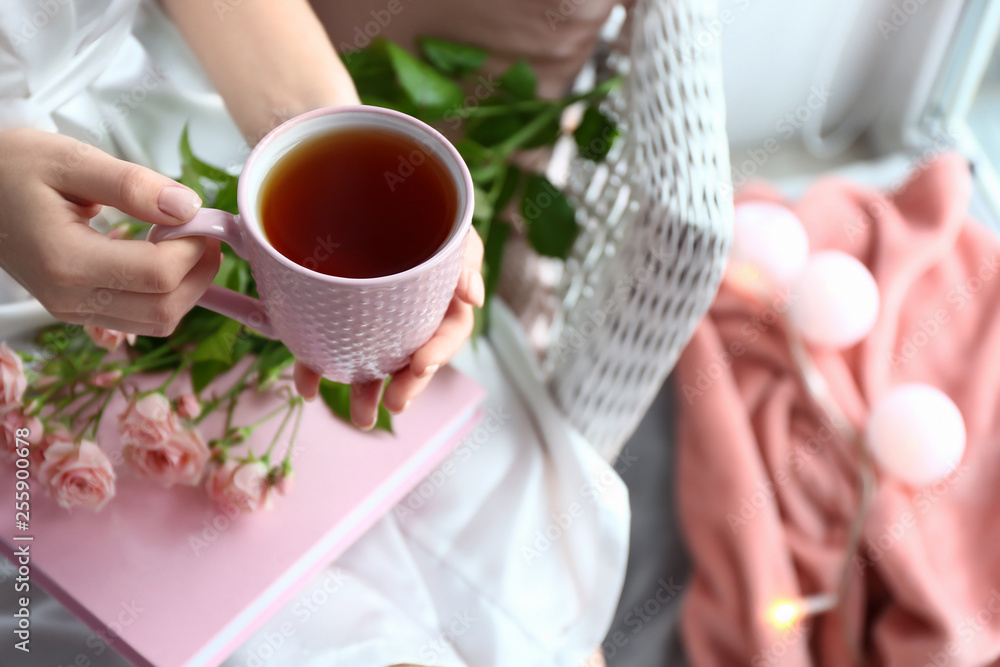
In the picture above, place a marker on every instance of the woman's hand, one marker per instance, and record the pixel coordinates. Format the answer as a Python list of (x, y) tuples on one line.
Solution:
[(410, 381), (272, 61), (50, 187)]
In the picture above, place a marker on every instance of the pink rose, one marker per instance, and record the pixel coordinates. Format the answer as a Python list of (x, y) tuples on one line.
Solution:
[(109, 339), (243, 485), (188, 406), (78, 475), (58, 434), (180, 459), (106, 379), (284, 481), (10, 422), (12, 379), (147, 422)]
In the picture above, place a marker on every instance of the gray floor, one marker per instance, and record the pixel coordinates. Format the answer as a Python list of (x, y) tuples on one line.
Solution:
[(645, 630)]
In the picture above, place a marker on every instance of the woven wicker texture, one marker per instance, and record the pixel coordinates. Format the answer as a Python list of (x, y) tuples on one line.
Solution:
[(657, 222)]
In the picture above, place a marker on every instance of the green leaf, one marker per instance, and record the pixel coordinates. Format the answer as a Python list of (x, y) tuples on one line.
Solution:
[(491, 131), (200, 168), (203, 372), (191, 179), (550, 217), (195, 173), (546, 135), (494, 246), (483, 163), (520, 80), (495, 242), (217, 353), (450, 57), (474, 153), (383, 422), (538, 127), (225, 199), (234, 273), (373, 75), (337, 397), (480, 324), (422, 83), (511, 179), (595, 134), (271, 361), (220, 345), (483, 208), (197, 325)]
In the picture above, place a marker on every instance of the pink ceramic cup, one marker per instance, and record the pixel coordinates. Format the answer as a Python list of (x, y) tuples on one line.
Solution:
[(346, 329)]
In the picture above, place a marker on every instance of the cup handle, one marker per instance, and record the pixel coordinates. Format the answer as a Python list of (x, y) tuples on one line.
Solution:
[(224, 227)]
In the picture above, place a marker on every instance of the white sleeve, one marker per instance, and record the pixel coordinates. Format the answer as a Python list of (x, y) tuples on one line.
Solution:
[(16, 108)]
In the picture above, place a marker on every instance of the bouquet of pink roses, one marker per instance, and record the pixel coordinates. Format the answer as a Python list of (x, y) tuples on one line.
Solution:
[(53, 405)]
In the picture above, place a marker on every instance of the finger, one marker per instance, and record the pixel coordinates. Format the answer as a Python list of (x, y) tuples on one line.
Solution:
[(110, 322), (403, 388), (454, 329), (306, 381), (165, 309), (471, 287), (88, 174), (83, 209), (364, 403), (128, 265)]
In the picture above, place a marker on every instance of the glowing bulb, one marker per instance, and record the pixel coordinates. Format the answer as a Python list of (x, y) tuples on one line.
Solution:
[(834, 300), (771, 241), (917, 434), (784, 614)]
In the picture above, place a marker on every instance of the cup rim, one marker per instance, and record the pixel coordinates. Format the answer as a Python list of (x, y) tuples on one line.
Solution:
[(459, 236)]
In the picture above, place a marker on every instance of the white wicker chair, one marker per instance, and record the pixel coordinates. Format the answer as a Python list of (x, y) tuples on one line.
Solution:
[(611, 321)]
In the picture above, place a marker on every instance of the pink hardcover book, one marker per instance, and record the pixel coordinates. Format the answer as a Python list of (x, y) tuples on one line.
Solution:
[(192, 580)]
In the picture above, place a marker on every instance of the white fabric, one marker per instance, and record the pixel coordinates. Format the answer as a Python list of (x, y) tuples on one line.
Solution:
[(516, 559), (112, 73)]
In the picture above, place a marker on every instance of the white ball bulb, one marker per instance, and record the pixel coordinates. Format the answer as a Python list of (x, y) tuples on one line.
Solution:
[(769, 241), (834, 302), (916, 433)]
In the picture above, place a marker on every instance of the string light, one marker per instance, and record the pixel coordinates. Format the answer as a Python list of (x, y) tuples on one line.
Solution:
[(835, 300), (915, 432), (770, 245), (786, 613)]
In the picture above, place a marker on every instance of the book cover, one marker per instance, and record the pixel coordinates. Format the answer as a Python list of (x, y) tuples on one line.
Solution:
[(169, 578)]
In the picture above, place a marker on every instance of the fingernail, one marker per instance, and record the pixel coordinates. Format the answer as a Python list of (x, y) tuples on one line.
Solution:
[(368, 427), (477, 288), (401, 410), (430, 370), (178, 202)]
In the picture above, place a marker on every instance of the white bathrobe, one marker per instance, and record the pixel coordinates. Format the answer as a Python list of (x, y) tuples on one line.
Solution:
[(491, 569)]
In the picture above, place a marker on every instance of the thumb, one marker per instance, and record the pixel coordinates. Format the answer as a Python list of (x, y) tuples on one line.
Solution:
[(94, 176)]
